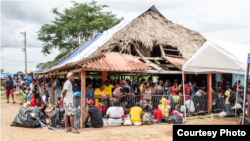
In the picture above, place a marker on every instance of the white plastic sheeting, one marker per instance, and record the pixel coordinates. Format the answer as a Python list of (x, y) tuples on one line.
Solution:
[(107, 35), (219, 56)]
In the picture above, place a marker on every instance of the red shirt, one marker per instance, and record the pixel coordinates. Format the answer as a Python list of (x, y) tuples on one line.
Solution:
[(158, 114), (187, 89), (173, 91), (33, 102)]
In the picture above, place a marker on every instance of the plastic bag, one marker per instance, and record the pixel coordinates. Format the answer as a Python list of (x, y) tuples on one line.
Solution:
[(105, 122), (174, 119), (237, 106), (77, 119), (127, 120), (183, 108), (222, 114)]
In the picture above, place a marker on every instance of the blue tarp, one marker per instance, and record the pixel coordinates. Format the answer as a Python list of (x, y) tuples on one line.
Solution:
[(6, 75), (79, 50)]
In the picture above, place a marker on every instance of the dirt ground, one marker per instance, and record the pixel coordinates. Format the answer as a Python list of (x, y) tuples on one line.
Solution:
[(161, 132)]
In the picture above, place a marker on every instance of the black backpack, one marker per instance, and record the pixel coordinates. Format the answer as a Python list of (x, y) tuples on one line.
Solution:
[(232, 97)]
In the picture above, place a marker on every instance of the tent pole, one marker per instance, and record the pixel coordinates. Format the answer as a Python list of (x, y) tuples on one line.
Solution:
[(245, 90), (237, 91), (184, 94)]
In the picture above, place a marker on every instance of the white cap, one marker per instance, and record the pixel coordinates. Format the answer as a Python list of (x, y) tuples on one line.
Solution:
[(70, 74)]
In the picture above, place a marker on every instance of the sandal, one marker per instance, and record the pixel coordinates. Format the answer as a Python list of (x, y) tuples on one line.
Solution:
[(14, 102), (8, 101), (75, 132)]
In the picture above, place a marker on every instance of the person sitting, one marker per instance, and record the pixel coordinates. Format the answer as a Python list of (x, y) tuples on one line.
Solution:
[(157, 115), (147, 116), (126, 116), (164, 107), (135, 114), (34, 100), (95, 116), (41, 105), (115, 114), (127, 110)]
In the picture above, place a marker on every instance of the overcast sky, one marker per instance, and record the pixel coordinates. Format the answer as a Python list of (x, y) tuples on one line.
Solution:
[(223, 20)]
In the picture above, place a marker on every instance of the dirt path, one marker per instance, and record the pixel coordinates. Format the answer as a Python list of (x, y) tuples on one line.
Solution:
[(122, 133)]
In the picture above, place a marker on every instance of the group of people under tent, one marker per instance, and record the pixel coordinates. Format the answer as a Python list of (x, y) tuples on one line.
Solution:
[(115, 96)]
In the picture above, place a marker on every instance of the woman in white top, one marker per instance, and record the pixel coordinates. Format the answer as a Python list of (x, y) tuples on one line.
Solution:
[(115, 114), (200, 91)]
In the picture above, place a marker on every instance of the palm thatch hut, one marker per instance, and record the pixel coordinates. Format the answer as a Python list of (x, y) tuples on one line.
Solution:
[(159, 43), (152, 37)]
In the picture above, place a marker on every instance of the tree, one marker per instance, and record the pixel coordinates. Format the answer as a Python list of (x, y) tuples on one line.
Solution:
[(2, 70), (19, 72), (41, 66), (75, 26)]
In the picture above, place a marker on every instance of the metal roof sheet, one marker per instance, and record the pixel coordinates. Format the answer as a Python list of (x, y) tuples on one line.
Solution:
[(177, 62), (113, 61)]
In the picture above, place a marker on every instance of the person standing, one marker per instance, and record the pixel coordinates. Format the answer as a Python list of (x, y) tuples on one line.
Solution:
[(108, 88), (228, 104), (101, 96), (9, 84), (67, 99), (17, 83)]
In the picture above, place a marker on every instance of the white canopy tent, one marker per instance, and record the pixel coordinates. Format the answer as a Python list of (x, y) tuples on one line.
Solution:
[(219, 56)]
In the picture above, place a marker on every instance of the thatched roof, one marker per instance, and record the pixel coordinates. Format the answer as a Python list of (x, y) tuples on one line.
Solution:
[(151, 29)]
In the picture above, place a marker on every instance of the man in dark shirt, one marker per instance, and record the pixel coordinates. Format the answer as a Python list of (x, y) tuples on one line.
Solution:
[(95, 116)]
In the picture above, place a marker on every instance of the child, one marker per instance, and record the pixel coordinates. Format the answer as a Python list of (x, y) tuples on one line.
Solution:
[(126, 112), (59, 103), (157, 115), (146, 116)]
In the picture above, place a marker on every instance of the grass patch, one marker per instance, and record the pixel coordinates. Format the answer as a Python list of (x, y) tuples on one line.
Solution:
[(200, 117)]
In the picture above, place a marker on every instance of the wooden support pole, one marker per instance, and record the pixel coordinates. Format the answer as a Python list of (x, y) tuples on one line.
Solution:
[(32, 78), (53, 90), (83, 95), (162, 51), (119, 80), (104, 76), (37, 82), (209, 93), (44, 89), (185, 77)]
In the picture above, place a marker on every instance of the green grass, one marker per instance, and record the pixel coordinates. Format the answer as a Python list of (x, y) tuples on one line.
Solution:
[(200, 117), (21, 96)]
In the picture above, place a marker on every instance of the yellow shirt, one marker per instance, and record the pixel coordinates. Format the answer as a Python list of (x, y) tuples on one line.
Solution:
[(109, 89), (228, 95), (141, 88), (103, 93), (180, 93), (135, 113)]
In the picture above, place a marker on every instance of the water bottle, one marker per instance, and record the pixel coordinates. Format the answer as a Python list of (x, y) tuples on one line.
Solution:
[(212, 117)]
